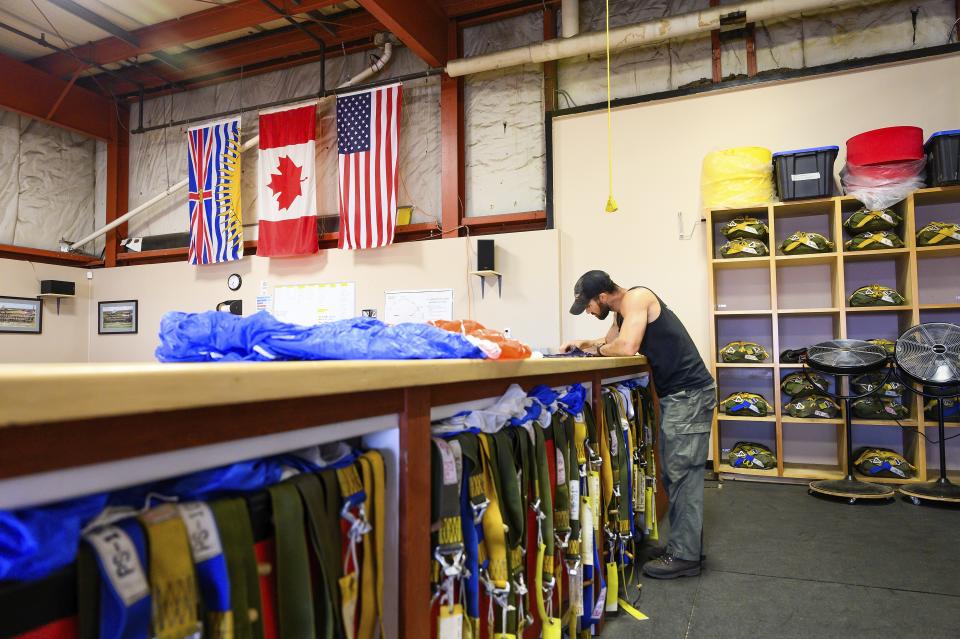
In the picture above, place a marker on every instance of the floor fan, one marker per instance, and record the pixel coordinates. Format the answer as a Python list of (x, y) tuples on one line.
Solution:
[(928, 355), (847, 358)]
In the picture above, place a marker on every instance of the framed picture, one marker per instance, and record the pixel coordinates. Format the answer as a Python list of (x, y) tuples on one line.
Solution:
[(21, 314), (117, 317)]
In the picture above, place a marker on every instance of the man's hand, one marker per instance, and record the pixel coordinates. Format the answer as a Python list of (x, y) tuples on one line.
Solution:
[(582, 344)]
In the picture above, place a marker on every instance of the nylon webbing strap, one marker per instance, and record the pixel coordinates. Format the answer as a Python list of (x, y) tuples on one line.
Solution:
[(371, 572), (294, 599), (88, 594), (236, 536), (324, 526), (514, 516), (545, 582), (473, 505), (172, 580), (124, 602), (211, 566)]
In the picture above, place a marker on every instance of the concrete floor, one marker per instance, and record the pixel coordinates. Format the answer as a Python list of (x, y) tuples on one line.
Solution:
[(781, 563)]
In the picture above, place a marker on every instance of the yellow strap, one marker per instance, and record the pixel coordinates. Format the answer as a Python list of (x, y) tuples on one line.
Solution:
[(493, 528), (348, 603), (633, 612), (172, 582), (611, 203), (371, 570), (613, 587), (606, 467), (551, 625)]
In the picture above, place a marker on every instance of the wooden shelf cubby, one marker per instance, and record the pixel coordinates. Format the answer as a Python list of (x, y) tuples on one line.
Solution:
[(792, 301)]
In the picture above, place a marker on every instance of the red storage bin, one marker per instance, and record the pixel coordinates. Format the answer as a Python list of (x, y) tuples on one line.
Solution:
[(891, 144)]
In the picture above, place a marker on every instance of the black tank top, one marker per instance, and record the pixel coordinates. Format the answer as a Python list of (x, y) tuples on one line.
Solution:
[(674, 359)]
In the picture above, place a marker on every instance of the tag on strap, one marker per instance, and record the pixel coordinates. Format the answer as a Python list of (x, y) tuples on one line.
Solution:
[(450, 624)]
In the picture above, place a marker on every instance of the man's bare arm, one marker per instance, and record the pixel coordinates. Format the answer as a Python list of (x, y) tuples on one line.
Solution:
[(635, 311)]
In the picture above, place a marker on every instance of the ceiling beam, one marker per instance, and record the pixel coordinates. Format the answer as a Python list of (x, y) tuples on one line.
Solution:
[(211, 22), (97, 20), (422, 26), (34, 93)]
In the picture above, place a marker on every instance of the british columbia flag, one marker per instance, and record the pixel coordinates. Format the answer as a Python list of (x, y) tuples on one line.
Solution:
[(213, 171)]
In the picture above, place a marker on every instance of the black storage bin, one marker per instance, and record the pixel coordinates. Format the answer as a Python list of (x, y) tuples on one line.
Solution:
[(943, 158), (805, 173)]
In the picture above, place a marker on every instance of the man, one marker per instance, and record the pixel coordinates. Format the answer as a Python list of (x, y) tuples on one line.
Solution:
[(688, 395)]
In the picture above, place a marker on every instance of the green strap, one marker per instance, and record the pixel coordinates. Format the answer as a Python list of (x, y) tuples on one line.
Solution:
[(88, 594), (294, 600), (542, 487), (236, 536), (561, 512), (325, 540)]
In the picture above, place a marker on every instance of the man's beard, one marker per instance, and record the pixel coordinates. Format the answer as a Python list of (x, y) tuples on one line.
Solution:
[(604, 311)]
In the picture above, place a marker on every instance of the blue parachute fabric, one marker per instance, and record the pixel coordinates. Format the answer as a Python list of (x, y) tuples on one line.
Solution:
[(533, 412), (35, 542), (215, 336), (574, 399), (544, 394)]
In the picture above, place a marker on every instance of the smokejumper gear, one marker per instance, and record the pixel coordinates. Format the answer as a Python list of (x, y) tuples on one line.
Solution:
[(938, 234), (874, 241), (800, 384), (888, 345), (951, 409), (745, 228), (743, 352), (864, 221), (803, 243), (792, 356), (812, 406), (745, 404), (876, 295), (874, 407), (875, 383), (883, 462), (589, 286), (751, 455), (744, 248)]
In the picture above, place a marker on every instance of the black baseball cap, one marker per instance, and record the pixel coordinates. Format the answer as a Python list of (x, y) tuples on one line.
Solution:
[(589, 286)]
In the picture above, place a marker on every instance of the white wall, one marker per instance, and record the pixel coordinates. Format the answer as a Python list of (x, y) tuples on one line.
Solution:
[(658, 148), (529, 306), (64, 334)]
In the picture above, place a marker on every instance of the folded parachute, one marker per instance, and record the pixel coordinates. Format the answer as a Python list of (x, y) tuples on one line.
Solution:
[(214, 336)]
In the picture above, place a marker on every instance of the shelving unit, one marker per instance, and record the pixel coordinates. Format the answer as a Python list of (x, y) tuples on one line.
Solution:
[(791, 301)]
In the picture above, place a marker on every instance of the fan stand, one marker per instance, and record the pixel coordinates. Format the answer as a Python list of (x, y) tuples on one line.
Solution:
[(849, 487), (942, 490)]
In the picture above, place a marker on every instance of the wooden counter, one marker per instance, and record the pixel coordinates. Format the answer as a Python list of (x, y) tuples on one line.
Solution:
[(58, 419)]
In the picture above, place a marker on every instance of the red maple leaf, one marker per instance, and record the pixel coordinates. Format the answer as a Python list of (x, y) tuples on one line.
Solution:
[(286, 184)]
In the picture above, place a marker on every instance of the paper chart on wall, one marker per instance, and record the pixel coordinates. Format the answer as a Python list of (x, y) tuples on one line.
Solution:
[(309, 304), (418, 306)]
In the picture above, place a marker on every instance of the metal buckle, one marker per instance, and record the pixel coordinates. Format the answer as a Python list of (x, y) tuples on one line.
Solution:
[(452, 564), (479, 509), (572, 566), (563, 540)]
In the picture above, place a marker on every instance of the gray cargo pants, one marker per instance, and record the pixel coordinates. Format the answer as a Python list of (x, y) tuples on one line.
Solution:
[(685, 419)]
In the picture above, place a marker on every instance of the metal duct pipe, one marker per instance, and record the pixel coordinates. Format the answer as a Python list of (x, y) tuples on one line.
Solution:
[(377, 65), (646, 33), (570, 18)]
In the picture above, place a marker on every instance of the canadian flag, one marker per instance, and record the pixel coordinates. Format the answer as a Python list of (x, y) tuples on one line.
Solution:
[(287, 203)]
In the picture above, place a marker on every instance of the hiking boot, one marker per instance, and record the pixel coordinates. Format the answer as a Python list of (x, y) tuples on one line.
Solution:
[(669, 567)]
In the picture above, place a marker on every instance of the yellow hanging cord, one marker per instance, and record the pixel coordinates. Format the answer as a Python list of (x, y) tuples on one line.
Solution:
[(611, 203)]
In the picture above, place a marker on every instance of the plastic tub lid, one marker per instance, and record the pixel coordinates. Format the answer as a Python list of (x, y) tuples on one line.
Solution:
[(939, 133), (814, 149)]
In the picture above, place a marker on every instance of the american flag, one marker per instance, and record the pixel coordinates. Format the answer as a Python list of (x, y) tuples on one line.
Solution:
[(368, 136)]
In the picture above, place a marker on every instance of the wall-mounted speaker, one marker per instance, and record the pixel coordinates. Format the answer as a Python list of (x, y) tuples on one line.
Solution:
[(485, 261)]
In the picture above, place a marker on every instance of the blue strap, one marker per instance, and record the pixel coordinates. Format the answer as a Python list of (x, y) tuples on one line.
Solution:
[(472, 538), (573, 400), (741, 404), (207, 553), (125, 614), (876, 469)]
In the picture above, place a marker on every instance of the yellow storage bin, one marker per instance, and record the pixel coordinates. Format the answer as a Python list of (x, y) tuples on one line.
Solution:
[(738, 177)]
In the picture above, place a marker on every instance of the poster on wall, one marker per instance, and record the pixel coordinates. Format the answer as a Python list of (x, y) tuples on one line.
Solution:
[(309, 304), (418, 306), (21, 315), (117, 317)]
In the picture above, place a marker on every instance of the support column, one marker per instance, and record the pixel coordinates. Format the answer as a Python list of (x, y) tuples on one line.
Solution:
[(452, 169), (118, 171), (414, 551), (550, 79)]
